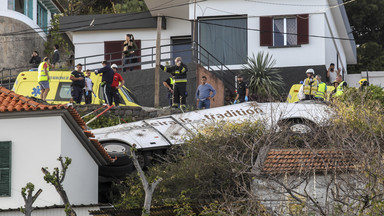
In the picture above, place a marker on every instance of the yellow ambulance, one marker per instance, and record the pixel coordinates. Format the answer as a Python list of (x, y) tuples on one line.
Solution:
[(60, 88)]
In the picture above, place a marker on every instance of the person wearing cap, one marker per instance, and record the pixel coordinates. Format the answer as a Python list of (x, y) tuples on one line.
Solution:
[(340, 86), (363, 83), (310, 85), (179, 72), (321, 92), (78, 84), (117, 83), (106, 81), (242, 90)]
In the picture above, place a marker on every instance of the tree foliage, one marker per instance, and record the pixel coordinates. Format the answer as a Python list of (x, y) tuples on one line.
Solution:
[(367, 22), (29, 198)]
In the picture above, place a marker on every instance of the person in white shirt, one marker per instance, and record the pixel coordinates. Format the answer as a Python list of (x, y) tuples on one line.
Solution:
[(332, 73), (88, 89)]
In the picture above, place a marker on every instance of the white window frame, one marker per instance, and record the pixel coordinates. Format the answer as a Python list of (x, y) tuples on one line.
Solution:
[(285, 35)]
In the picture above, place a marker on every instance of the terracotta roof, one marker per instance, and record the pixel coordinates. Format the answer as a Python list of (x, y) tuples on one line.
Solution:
[(304, 160), (12, 102)]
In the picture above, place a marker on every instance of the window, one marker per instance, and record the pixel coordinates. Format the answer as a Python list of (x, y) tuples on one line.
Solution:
[(5, 168), (22, 6), (225, 39), (284, 31), (42, 17), (64, 92)]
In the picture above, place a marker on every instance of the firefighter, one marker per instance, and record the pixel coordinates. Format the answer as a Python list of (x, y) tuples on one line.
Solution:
[(310, 85), (179, 72), (321, 92), (340, 87)]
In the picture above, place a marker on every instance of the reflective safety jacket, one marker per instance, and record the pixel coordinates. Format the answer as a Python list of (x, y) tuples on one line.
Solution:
[(339, 89), (179, 72), (310, 88), (41, 75), (320, 93)]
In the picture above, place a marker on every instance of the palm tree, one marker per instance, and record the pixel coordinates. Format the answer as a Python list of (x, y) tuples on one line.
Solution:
[(264, 80)]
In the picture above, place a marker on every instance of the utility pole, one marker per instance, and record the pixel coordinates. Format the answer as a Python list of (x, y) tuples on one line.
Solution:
[(158, 55)]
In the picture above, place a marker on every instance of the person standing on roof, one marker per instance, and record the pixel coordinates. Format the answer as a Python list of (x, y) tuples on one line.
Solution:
[(179, 71), (168, 83), (78, 83), (43, 78), (310, 85), (106, 81), (242, 90), (118, 82), (321, 93), (340, 87), (203, 94)]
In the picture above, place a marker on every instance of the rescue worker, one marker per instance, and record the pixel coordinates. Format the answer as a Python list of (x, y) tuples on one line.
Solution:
[(168, 83), (321, 93), (179, 71), (242, 90), (340, 87), (363, 83), (43, 78), (106, 80), (78, 84), (310, 85), (117, 83)]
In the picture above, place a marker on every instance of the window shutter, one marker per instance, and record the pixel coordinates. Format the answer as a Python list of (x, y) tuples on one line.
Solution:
[(302, 29), (5, 168), (266, 31), (30, 9)]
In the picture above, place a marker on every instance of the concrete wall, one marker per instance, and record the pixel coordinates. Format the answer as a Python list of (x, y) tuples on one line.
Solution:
[(216, 83), (142, 84), (375, 78), (16, 50)]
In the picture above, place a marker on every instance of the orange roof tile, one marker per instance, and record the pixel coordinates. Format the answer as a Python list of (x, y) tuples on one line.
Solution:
[(12, 102), (304, 160)]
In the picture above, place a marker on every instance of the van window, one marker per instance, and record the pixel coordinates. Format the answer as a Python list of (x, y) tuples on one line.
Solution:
[(64, 92)]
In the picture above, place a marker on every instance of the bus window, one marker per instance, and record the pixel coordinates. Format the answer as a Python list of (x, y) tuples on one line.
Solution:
[(64, 92)]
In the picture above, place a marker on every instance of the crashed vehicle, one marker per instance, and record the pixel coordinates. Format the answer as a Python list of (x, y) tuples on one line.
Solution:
[(154, 136)]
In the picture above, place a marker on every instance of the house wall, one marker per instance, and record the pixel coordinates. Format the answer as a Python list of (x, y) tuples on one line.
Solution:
[(37, 143), (80, 211), (317, 52), (94, 45), (81, 182)]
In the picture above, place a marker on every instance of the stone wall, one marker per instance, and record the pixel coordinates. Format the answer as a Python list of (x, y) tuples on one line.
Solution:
[(136, 113), (142, 84), (16, 49)]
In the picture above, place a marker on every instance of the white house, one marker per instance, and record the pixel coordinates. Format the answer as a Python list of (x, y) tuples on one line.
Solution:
[(33, 136), (23, 29), (299, 35)]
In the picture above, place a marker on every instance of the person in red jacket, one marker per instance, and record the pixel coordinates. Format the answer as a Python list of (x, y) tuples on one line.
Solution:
[(117, 83)]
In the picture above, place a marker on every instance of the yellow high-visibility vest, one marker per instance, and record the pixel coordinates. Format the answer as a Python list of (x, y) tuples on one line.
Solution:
[(41, 75), (339, 90), (310, 89), (321, 91)]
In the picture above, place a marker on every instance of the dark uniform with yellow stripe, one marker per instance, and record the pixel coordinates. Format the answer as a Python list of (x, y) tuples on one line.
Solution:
[(180, 79)]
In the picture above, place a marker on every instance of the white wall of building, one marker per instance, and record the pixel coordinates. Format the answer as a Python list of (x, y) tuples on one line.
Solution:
[(36, 143), (81, 182), (80, 211), (308, 54), (94, 45)]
